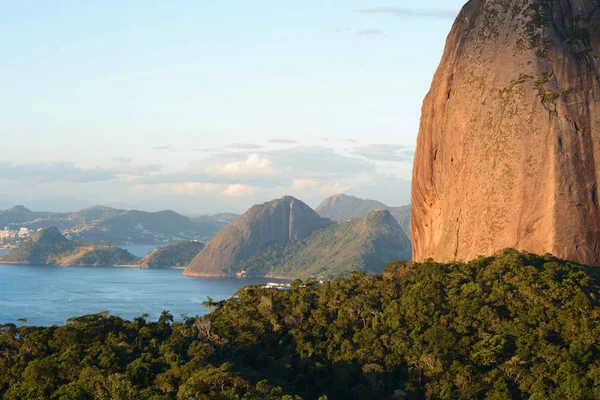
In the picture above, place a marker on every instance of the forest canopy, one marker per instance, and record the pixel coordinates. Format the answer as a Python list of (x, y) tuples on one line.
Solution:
[(512, 326)]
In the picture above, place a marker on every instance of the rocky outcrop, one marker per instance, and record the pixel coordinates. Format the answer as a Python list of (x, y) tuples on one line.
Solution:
[(366, 244), (508, 152), (283, 220), (340, 207)]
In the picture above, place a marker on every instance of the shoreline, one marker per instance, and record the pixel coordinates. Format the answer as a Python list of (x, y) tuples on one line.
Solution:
[(205, 276), (80, 266), (196, 275)]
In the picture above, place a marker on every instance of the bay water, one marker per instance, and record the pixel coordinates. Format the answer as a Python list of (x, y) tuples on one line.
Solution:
[(49, 295)]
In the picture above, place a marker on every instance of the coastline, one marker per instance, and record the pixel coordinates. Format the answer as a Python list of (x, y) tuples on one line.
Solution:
[(82, 265), (201, 275)]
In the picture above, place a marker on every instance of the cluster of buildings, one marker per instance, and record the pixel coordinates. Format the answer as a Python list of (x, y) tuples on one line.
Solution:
[(7, 233), (8, 236)]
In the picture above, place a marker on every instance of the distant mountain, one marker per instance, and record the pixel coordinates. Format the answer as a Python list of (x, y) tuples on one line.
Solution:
[(340, 207), (100, 223), (213, 223), (267, 241), (49, 247), (94, 213), (283, 220), (20, 214), (364, 244), (402, 215), (18, 210), (139, 227), (172, 256)]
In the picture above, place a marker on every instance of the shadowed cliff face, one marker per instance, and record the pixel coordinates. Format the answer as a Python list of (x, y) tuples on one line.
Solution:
[(508, 148), (283, 220)]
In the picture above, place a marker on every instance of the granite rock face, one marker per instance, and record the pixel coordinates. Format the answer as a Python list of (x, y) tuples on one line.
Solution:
[(508, 152), (283, 220)]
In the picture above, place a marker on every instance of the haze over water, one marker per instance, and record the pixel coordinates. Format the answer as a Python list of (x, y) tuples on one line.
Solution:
[(42, 293)]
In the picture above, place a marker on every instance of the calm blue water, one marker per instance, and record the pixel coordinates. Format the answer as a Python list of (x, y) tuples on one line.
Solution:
[(42, 293), (139, 250)]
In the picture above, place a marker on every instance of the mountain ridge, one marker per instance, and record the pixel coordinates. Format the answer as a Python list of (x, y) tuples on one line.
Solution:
[(284, 219), (341, 206), (261, 243)]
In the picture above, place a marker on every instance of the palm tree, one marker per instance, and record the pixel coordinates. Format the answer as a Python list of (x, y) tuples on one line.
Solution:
[(165, 317), (210, 303)]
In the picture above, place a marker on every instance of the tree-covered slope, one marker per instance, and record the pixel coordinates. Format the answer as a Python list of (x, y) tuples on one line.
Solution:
[(340, 207), (513, 326), (46, 246), (359, 244), (49, 247), (98, 255), (142, 227), (172, 256)]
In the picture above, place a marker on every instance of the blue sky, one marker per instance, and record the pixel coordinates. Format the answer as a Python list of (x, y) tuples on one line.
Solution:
[(204, 106)]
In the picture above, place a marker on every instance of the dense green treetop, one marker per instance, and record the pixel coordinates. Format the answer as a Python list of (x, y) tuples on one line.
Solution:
[(513, 326)]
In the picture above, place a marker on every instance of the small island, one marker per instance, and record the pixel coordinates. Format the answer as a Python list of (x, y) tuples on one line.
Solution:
[(177, 255)]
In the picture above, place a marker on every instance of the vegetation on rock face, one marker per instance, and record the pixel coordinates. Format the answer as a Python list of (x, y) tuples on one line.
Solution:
[(172, 256), (513, 326), (260, 244), (340, 207), (282, 220), (365, 244)]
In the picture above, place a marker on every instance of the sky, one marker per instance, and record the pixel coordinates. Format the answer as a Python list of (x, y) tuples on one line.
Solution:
[(205, 106)]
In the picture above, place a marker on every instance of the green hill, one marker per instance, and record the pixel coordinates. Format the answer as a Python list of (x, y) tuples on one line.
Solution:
[(278, 221), (48, 246), (340, 207), (20, 215), (260, 243), (172, 256), (97, 255), (94, 213), (146, 228), (365, 244)]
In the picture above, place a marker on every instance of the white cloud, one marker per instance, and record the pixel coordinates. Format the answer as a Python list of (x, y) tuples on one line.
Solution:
[(177, 189), (53, 172), (239, 190), (253, 165)]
